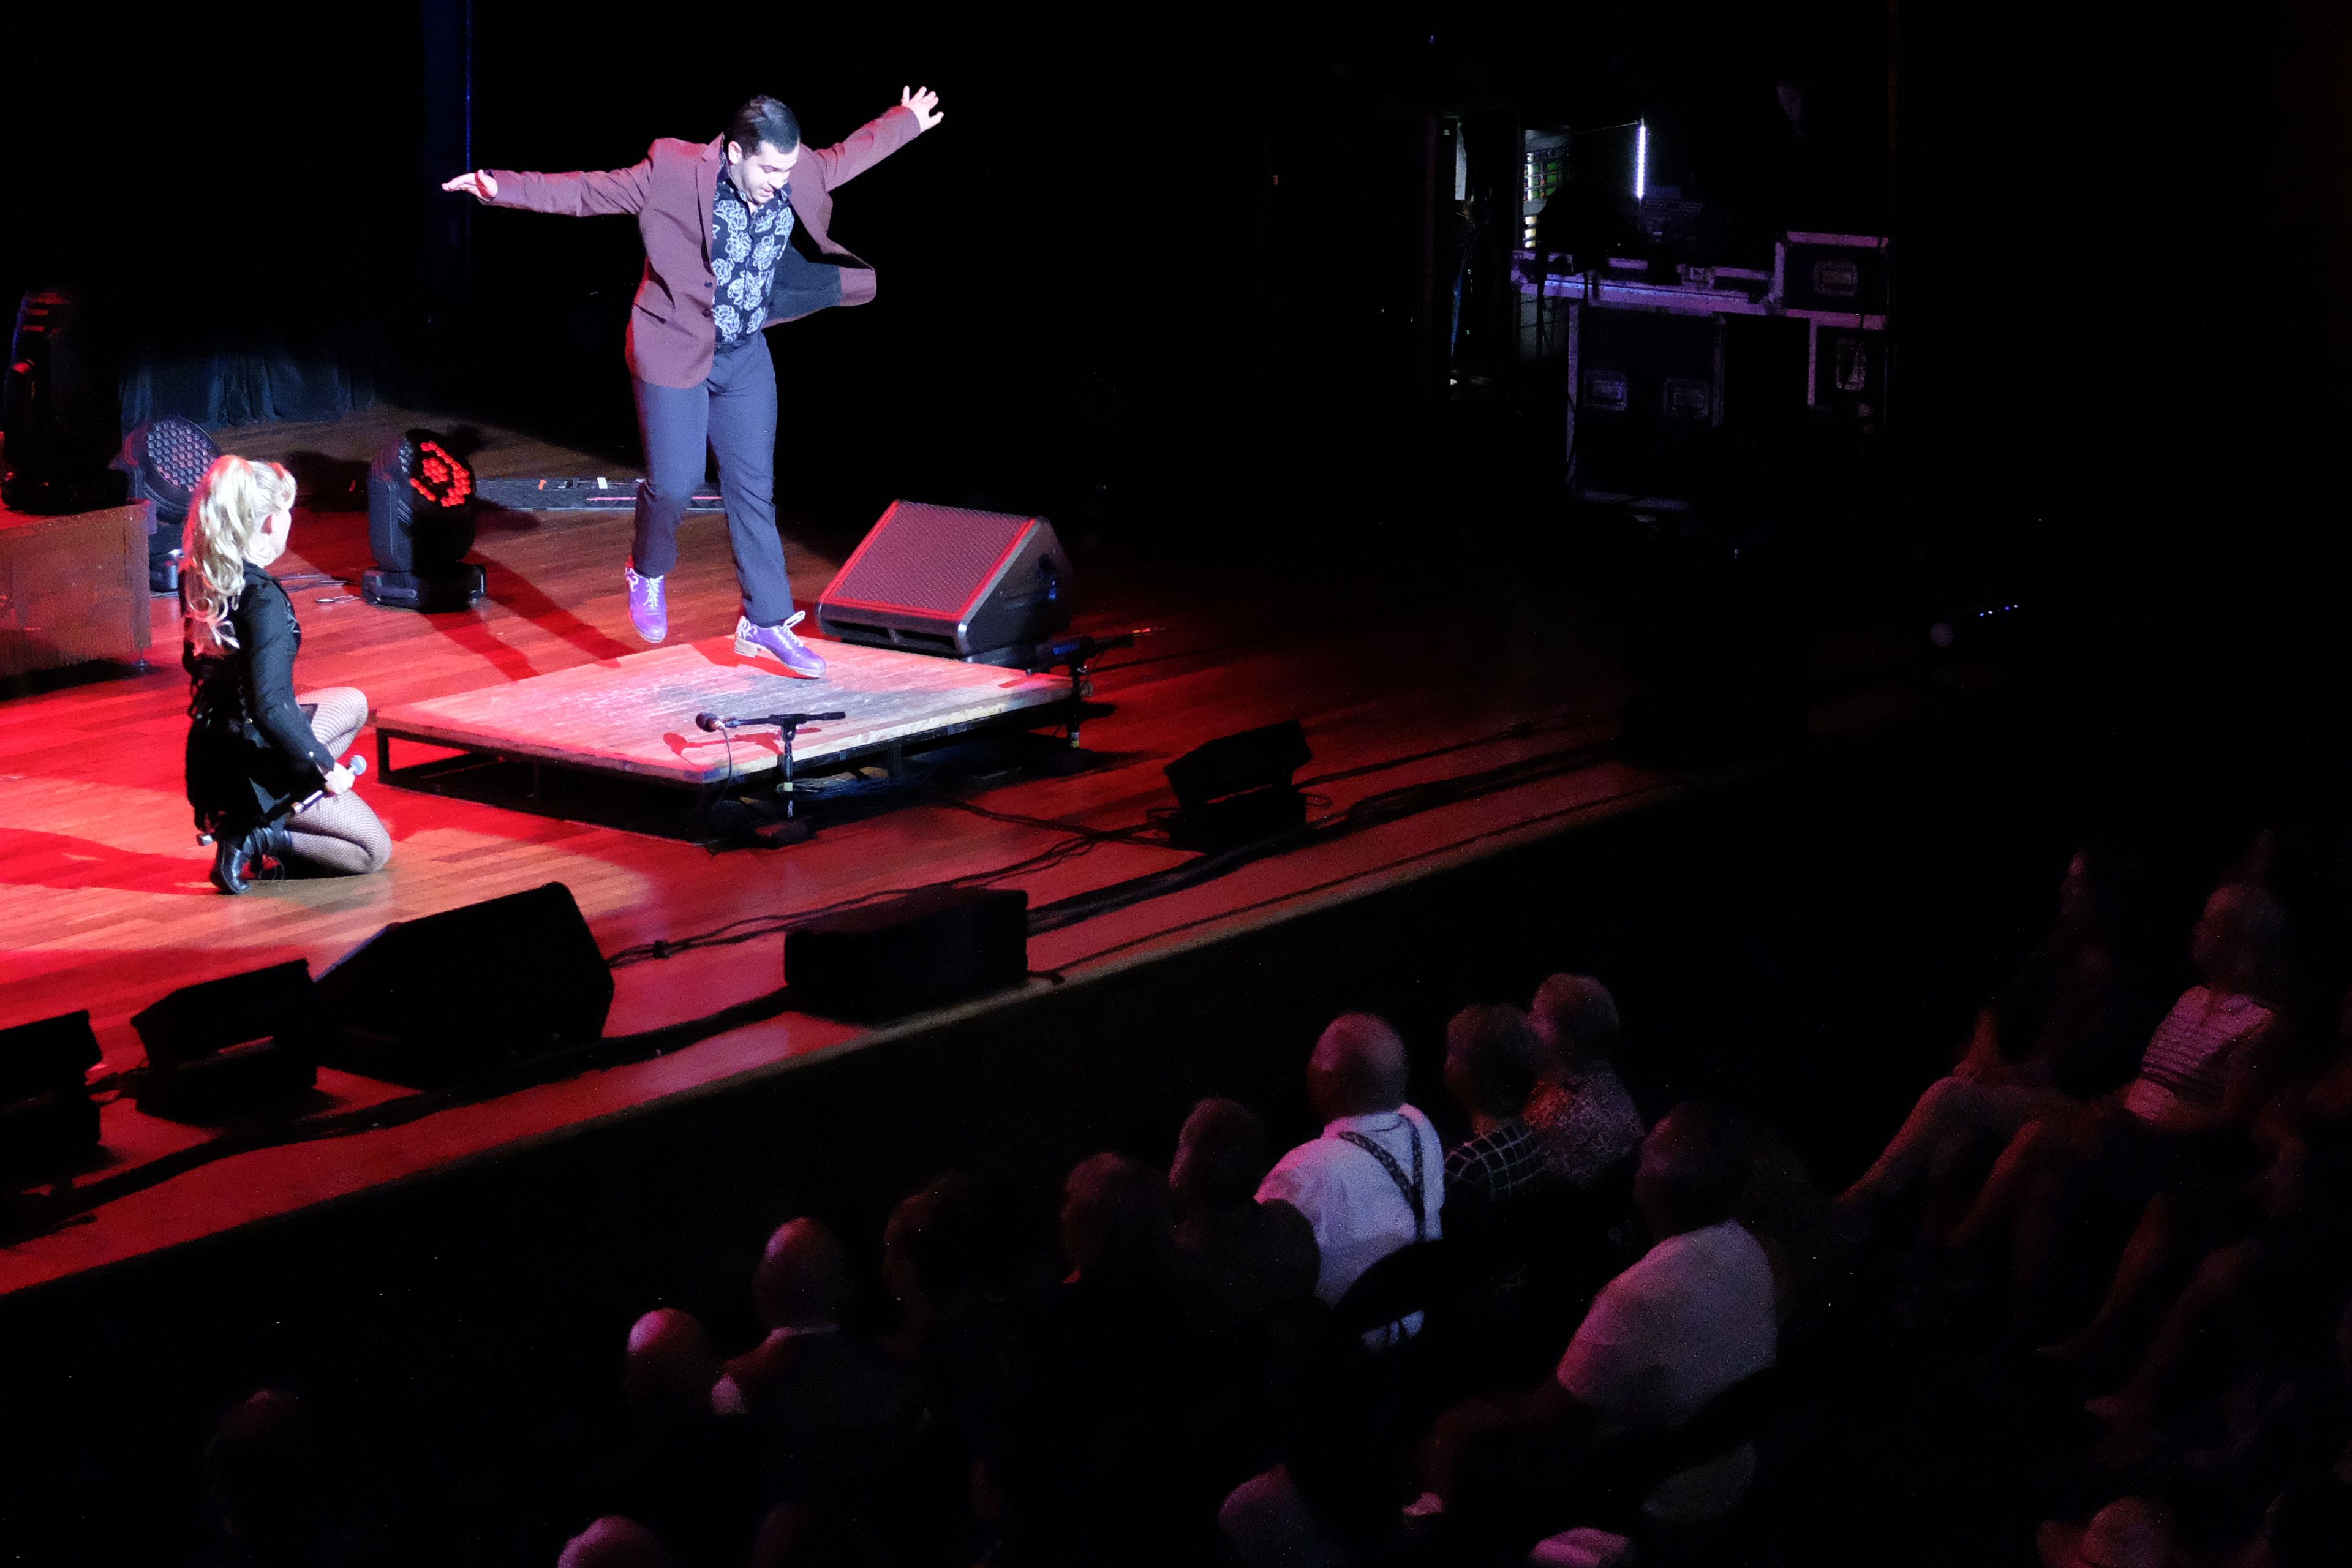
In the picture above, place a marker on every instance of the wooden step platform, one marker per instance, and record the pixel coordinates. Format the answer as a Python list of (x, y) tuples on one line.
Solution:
[(633, 720)]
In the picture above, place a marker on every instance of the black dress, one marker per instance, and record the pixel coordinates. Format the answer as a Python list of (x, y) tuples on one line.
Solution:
[(250, 749)]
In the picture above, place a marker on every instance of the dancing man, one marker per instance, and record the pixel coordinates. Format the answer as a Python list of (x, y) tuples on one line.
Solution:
[(718, 222)]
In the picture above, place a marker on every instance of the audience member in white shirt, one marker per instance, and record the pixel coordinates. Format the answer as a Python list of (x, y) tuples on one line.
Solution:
[(1690, 1320), (1375, 1180)]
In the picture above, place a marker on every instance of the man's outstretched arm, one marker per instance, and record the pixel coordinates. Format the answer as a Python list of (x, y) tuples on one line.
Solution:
[(918, 111), (593, 192)]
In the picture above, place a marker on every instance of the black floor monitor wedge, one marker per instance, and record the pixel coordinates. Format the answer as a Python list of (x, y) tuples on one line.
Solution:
[(242, 1043), (47, 1118), (909, 954), (455, 996)]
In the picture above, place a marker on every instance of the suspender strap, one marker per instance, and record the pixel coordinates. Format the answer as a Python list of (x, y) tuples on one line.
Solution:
[(1411, 1186)]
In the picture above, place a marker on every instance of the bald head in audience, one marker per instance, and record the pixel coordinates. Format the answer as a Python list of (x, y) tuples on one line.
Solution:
[(803, 1279), (1358, 1067), (615, 1543), (669, 1369), (803, 1284), (264, 1467)]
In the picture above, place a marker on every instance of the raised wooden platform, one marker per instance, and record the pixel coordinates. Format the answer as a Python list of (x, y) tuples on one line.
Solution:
[(634, 719)]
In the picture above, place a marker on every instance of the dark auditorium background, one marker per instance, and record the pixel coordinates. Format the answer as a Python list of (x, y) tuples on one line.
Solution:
[(1178, 257), (1172, 275)]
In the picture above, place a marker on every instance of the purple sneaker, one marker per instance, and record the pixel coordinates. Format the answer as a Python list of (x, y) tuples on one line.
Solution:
[(648, 609), (779, 643)]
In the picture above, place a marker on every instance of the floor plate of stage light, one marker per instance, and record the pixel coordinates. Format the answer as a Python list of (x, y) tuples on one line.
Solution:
[(634, 716)]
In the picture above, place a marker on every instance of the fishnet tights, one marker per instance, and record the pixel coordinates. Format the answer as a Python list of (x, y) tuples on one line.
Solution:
[(341, 833)]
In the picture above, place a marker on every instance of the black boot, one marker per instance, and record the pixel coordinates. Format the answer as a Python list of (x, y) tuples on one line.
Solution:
[(237, 862)]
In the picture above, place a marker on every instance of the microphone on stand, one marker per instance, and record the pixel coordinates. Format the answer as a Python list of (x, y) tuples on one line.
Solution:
[(1079, 649), (794, 828), (713, 722)]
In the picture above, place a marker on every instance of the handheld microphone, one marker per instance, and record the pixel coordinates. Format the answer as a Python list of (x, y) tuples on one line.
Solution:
[(355, 762), (358, 764)]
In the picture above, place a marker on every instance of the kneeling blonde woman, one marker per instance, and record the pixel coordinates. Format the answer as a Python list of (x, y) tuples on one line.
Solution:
[(254, 749)]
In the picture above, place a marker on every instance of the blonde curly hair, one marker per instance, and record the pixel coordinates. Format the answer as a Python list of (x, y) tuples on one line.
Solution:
[(232, 501)]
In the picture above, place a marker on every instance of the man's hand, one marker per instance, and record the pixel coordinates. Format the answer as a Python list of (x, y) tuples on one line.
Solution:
[(922, 102), (339, 781), (481, 187)]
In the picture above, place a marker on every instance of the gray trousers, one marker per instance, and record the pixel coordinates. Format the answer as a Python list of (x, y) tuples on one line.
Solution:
[(733, 414)]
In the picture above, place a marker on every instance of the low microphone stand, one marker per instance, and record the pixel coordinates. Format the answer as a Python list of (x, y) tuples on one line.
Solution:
[(793, 829), (1082, 687), (1078, 654), (787, 786)]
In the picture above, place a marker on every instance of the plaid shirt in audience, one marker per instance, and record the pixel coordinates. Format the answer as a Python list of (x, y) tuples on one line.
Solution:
[(1505, 1163)]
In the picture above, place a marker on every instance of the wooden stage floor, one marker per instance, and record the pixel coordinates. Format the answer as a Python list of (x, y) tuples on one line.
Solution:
[(1404, 665)]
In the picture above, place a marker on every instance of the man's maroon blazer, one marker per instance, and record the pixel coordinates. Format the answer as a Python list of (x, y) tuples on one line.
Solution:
[(671, 335)]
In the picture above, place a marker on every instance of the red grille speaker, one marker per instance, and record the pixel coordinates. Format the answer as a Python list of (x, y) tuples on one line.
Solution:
[(984, 586)]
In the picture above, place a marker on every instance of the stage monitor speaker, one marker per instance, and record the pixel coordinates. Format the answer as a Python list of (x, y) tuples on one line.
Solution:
[(1231, 763), (229, 1045), (984, 586), (1236, 789), (47, 1116), (439, 1001), (909, 954)]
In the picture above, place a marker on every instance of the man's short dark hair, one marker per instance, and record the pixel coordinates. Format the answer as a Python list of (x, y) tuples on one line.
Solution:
[(1117, 1225), (764, 119), (1699, 1159), (942, 1231), (1221, 1155), (1579, 1015), (1497, 1049)]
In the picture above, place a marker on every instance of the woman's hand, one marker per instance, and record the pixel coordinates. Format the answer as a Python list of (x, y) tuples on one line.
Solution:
[(481, 187), (340, 781), (921, 102)]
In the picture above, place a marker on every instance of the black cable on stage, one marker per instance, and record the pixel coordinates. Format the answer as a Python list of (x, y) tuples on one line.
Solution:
[(1374, 810), (1082, 838), (1342, 881), (752, 927), (1149, 837)]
